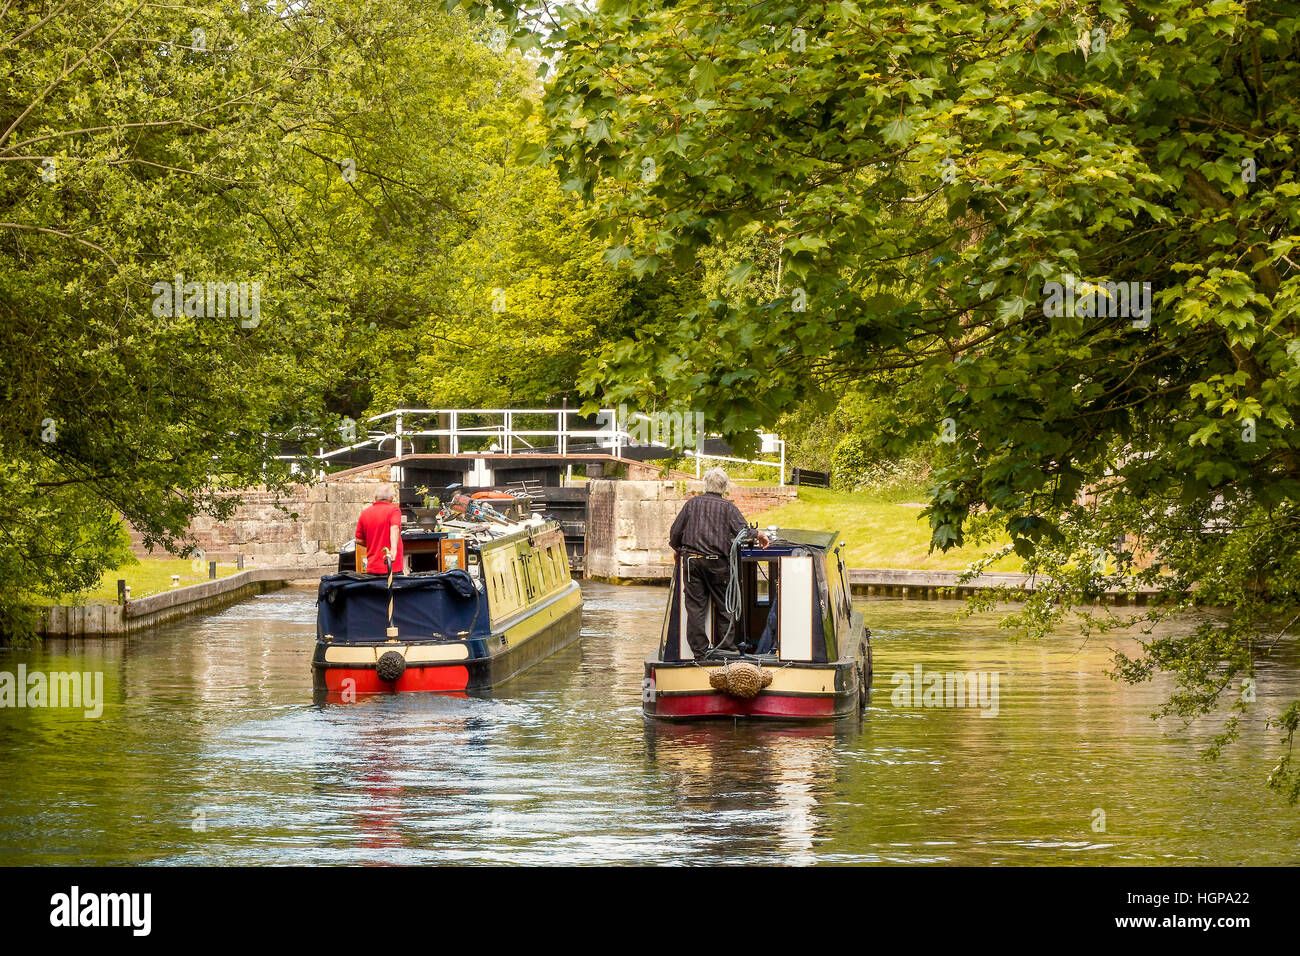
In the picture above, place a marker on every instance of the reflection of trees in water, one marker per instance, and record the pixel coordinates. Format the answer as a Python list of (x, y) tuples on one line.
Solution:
[(755, 787), (91, 790)]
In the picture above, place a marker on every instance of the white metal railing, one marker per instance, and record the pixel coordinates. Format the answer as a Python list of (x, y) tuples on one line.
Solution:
[(611, 434)]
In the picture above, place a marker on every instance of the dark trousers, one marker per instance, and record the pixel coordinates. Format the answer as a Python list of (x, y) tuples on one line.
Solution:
[(705, 581)]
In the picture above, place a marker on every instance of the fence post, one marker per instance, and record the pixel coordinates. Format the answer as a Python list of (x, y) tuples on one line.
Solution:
[(455, 439), (397, 473), (782, 441), (563, 441), (509, 441)]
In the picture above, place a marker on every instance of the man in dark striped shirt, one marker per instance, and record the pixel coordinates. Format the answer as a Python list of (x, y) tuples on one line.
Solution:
[(702, 536)]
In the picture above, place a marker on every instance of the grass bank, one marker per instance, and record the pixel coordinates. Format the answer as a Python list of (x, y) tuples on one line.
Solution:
[(882, 529), (148, 576)]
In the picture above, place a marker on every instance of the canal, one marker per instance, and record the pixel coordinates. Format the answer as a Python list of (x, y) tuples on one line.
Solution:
[(210, 749)]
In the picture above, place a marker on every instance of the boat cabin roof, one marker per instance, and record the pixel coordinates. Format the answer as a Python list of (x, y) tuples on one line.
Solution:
[(785, 540)]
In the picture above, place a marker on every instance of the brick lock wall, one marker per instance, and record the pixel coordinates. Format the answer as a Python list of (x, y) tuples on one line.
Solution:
[(754, 501)]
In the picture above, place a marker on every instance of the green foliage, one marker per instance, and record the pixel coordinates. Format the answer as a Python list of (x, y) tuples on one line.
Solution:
[(926, 172), (134, 149), (450, 275), (534, 301), (356, 159), (1118, 164), (864, 433)]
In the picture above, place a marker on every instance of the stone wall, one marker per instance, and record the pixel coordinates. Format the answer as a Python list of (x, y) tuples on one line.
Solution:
[(628, 523), (99, 620), (601, 536), (300, 528)]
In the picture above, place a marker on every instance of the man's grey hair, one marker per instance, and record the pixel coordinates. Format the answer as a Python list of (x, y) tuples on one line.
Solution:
[(715, 479), (384, 492)]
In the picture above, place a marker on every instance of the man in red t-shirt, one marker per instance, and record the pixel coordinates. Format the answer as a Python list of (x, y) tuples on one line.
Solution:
[(379, 532)]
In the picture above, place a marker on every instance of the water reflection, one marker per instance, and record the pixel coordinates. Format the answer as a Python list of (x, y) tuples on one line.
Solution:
[(214, 719), (765, 782)]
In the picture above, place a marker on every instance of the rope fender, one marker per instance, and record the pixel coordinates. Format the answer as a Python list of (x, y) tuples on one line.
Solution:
[(390, 666), (740, 679)]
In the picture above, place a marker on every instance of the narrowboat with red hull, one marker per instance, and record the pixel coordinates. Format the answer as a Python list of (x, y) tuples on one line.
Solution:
[(804, 652), (477, 603)]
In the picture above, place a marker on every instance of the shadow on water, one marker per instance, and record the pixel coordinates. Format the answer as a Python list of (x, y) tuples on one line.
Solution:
[(212, 749)]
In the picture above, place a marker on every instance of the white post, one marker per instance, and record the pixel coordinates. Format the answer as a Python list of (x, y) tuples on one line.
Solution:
[(563, 443), (320, 463), (397, 475), (455, 439), (509, 436), (782, 462), (698, 459)]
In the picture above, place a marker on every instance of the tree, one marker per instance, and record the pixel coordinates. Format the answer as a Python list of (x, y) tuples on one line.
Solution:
[(224, 226), (1076, 223), (143, 315), (445, 273), (174, 204)]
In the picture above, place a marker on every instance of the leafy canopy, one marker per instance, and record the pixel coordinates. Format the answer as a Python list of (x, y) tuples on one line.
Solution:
[(936, 175)]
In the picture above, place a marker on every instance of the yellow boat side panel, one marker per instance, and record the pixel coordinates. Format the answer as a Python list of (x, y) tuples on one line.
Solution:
[(543, 617), (519, 574)]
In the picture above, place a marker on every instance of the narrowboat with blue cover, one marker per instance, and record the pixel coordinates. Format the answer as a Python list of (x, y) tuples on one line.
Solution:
[(477, 603), (804, 651)]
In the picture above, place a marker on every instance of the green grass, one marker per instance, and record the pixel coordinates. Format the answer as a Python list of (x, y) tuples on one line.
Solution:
[(882, 530), (150, 576)]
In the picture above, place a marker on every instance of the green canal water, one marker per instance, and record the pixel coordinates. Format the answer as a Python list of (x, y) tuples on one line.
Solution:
[(211, 749)]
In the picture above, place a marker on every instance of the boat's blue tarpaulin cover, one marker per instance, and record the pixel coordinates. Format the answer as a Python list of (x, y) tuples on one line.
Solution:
[(354, 607)]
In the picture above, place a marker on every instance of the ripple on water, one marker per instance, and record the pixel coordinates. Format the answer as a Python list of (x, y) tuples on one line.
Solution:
[(211, 750)]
